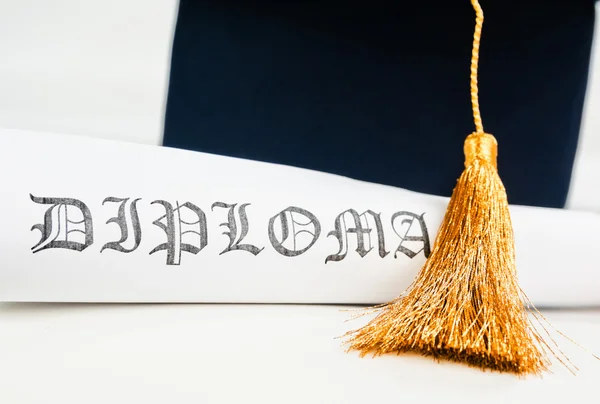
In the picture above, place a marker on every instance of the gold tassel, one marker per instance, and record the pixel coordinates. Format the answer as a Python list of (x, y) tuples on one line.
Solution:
[(465, 305)]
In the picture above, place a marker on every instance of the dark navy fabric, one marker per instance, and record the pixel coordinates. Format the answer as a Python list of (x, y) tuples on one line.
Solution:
[(379, 90)]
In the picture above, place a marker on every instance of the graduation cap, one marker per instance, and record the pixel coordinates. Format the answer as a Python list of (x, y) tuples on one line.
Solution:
[(376, 91)]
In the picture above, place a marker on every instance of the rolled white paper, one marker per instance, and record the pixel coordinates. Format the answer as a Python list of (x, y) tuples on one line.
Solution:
[(91, 220)]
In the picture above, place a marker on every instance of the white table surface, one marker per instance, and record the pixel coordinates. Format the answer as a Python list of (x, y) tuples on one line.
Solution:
[(61, 353)]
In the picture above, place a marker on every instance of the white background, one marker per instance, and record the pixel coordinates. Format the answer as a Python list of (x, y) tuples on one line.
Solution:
[(585, 185), (94, 67), (100, 68)]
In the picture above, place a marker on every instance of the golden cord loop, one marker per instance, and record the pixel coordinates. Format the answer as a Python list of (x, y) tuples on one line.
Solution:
[(474, 64)]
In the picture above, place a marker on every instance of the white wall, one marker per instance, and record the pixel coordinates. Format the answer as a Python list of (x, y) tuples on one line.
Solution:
[(90, 67), (585, 185), (100, 68)]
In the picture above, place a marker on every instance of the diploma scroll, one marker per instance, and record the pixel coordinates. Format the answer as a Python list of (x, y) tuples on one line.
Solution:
[(91, 220)]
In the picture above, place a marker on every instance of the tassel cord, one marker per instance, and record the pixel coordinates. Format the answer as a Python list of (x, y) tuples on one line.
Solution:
[(474, 66)]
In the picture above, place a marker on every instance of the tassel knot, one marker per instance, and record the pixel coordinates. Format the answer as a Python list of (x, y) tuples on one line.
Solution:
[(481, 146)]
